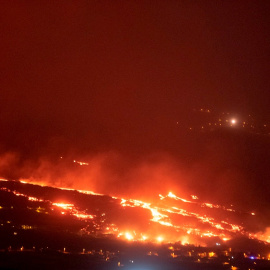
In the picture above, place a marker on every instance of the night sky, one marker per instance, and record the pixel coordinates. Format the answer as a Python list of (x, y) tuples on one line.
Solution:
[(112, 74)]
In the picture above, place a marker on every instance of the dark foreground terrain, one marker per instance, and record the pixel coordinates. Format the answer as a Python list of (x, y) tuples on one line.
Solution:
[(57, 260)]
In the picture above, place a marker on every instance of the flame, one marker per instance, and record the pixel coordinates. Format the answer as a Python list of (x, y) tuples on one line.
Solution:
[(129, 236), (73, 210), (225, 239), (171, 195), (160, 239), (184, 240), (81, 163), (66, 206)]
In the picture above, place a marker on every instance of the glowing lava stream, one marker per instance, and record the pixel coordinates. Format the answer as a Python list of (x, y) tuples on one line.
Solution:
[(163, 219), (209, 205), (73, 210), (160, 215)]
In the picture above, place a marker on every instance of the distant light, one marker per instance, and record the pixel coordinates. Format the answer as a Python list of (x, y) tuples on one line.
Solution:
[(233, 121)]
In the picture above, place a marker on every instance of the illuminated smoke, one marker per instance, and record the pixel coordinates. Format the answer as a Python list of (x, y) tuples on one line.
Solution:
[(157, 183)]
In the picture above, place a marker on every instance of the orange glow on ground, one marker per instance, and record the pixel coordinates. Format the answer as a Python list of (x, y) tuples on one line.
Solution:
[(160, 239), (163, 214), (129, 236)]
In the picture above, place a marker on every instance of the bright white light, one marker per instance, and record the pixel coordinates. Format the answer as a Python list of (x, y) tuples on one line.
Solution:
[(160, 239), (128, 236), (233, 121)]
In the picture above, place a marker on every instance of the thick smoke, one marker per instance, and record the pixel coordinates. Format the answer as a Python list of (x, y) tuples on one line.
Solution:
[(107, 173), (228, 170), (216, 174)]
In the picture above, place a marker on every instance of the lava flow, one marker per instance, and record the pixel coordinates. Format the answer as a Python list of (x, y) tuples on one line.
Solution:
[(170, 219)]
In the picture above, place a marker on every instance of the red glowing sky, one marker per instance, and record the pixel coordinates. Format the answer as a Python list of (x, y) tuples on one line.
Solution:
[(116, 74)]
